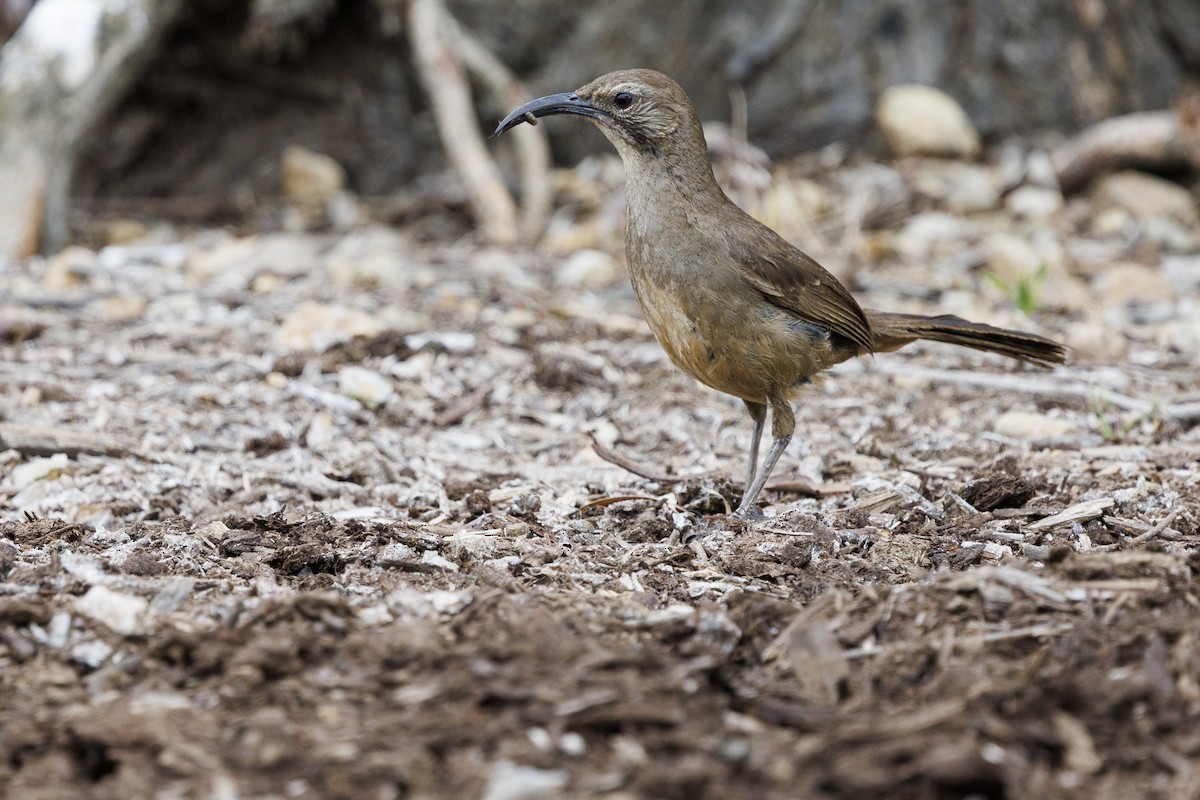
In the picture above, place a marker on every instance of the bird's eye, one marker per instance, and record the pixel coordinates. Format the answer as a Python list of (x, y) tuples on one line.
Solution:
[(622, 101)]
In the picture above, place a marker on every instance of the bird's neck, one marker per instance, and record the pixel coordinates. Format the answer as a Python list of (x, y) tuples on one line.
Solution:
[(664, 193)]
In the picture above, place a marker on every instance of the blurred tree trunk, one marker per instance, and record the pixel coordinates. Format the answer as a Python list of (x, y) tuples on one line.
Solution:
[(242, 79), (812, 70), (60, 74)]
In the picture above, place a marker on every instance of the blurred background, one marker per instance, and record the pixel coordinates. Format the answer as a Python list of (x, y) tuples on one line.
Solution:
[(193, 127)]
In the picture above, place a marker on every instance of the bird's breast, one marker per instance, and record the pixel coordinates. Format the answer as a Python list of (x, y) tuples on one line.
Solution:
[(731, 341)]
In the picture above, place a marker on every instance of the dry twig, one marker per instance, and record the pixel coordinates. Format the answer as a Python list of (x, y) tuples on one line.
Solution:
[(441, 71), (632, 466), (1153, 139)]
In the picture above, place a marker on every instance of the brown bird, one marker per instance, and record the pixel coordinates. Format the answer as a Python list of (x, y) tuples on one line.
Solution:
[(733, 304)]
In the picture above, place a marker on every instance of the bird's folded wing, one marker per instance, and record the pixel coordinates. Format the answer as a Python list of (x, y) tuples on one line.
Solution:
[(797, 283)]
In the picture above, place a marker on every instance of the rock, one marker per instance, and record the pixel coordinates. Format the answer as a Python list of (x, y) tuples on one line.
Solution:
[(1181, 334), (371, 258), (586, 269), (1182, 272), (364, 385), (509, 781), (449, 601), (1095, 341), (317, 327), (68, 268), (1040, 171), (124, 231), (1028, 425), (1123, 284), (235, 263), (1171, 235), (92, 653), (118, 308), (880, 192), (456, 342), (1010, 256), (922, 233), (924, 120), (122, 613), (958, 187), (308, 176), (319, 434), (1111, 222), (433, 559), (40, 469), (395, 554), (1034, 202), (343, 211), (1146, 197)]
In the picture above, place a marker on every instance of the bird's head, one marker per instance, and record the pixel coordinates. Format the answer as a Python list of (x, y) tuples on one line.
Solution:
[(642, 112)]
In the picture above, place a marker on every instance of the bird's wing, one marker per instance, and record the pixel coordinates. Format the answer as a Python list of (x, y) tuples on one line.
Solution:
[(795, 282)]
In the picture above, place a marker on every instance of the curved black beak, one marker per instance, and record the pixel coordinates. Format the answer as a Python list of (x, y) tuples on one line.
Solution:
[(565, 103)]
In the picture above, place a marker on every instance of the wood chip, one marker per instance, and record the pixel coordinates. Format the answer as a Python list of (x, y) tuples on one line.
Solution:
[(1080, 512)]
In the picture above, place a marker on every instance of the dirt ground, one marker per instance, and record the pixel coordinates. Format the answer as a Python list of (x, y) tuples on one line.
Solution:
[(337, 516)]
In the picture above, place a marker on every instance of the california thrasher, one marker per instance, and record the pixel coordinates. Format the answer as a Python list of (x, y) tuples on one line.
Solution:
[(733, 304)]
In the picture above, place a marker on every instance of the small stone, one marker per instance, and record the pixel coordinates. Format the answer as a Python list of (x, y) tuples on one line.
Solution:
[(510, 781), (880, 191), (1010, 256), (455, 342), (87, 569), (1030, 426), (320, 432), (235, 263), (68, 268), (1146, 197), (922, 233), (173, 595), (572, 744), (924, 120), (449, 602), (395, 554), (1040, 171), (1111, 222), (91, 654), (40, 469), (1095, 341), (123, 613), (1181, 334), (433, 559), (342, 211), (364, 385), (371, 258), (375, 614), (586, 269), (1034, 202), (308, 176), (958, 187), (118, 308), (317, 326), (1171, 235), (1182, 272), (124, 231), (1123, 284)]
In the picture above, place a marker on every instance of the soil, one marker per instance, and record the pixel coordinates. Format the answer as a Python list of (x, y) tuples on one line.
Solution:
[(241, 582)]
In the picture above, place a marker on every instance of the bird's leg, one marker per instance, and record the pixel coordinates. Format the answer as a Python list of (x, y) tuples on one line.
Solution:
[(758, 413), (783, 422)]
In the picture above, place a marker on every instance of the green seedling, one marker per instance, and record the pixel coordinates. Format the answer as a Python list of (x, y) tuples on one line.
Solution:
[(1025, 292)]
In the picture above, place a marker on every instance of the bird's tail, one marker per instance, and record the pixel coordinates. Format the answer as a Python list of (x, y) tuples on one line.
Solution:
[(893, 331)]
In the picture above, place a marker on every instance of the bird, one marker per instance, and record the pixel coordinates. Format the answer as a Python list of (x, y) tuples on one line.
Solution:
[(734, 304)]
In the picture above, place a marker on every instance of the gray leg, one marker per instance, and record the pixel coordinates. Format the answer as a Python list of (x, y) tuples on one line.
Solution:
[(783, 422), (746, 507), (758, 413)]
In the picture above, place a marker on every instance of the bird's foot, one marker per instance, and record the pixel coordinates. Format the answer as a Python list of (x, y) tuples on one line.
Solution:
[(748, 513)]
